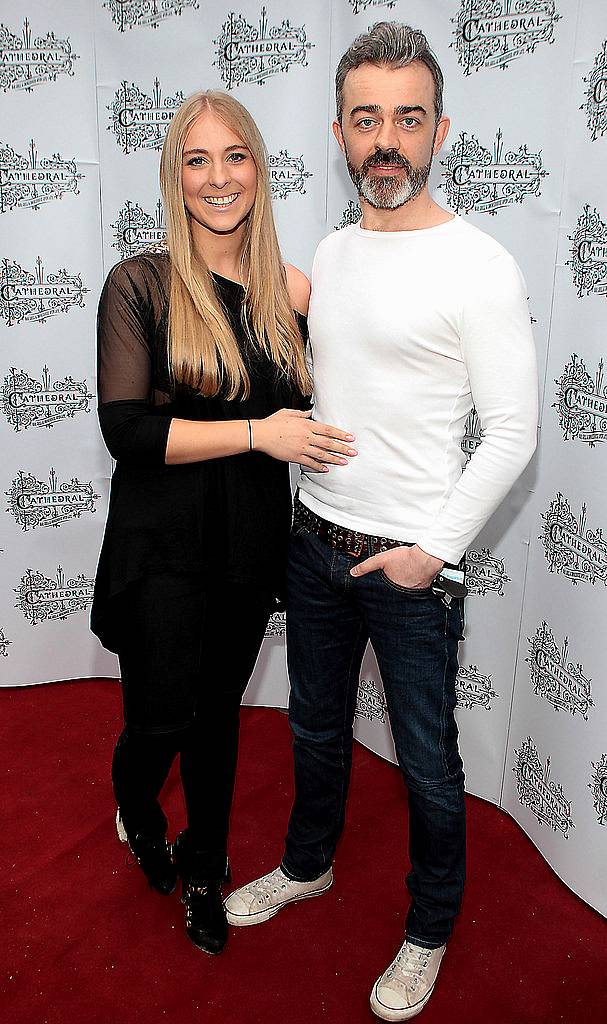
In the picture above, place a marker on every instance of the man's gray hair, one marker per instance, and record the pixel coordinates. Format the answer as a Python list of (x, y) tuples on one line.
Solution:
[(393, 45)]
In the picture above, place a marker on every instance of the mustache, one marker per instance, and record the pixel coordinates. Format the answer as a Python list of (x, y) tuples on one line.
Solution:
[(386, 156)]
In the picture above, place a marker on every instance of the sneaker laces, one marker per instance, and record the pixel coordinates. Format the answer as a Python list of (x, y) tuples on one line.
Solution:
[(267, 886), (409, 966)]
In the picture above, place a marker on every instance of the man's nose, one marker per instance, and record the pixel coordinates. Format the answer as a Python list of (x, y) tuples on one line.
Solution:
[(387, 137)]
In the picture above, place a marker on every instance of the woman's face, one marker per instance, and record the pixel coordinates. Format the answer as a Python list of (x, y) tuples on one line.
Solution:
[(219, 176)]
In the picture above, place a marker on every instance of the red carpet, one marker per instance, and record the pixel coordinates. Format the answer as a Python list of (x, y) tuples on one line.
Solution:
[(86, 942)]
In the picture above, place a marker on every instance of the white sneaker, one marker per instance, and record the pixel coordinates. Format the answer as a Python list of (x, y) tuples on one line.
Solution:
[(406, 985), (262, 899)]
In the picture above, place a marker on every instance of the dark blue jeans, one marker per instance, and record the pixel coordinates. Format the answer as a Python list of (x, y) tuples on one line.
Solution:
[(330, 617)]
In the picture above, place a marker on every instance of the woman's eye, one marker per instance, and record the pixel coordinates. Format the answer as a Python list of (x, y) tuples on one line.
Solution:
[(195, 161), (237, 158)]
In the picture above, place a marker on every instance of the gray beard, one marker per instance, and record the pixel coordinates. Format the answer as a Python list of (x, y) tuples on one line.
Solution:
[(389, 193)]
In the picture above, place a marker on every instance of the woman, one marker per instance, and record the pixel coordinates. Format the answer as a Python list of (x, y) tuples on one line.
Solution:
[(201, 371)]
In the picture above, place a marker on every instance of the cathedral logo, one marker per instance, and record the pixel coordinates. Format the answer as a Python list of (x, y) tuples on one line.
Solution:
[(287, 175), (4, 644), (27, 62), (478, 180), (37, 296), (29, 402), (253, 53), (30, 181), (129, 13), (473, 435), (582, 403), (571, 548), (140, 121), (370, 702), (485, 574), (135, 229), (351, 215), (358, 6), (596, 95), (537, 791), (48, 503), (589, 254), (598, 788), (493, 33), (42, 598), (558, 680), (276, 626), (474, 689)]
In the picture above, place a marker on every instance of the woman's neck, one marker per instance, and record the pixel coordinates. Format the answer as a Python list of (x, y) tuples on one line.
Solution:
[(221, 253)]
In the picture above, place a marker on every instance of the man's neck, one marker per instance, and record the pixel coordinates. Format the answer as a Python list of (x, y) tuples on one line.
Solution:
[(421, 212)]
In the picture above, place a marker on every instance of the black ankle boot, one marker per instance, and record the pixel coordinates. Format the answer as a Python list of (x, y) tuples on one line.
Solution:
[(205, 917), (154, 859)]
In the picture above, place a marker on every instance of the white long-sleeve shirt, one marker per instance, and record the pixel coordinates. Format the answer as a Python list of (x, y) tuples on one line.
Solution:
[(409, 330)]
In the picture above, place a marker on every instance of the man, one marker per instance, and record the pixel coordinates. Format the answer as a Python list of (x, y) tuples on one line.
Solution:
[(415, 316)]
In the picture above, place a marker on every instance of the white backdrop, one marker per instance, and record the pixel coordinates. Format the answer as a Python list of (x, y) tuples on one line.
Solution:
[(88, 88)]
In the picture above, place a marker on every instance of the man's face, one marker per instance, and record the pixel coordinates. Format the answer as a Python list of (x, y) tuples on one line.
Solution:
[(388, 132)]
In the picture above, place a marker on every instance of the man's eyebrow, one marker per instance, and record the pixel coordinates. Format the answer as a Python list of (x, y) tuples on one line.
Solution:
[(409, 110), (369, 108), (228, 149), (374, 108)]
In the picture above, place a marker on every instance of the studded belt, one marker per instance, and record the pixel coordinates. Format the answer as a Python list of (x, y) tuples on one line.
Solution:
[(348, 542)]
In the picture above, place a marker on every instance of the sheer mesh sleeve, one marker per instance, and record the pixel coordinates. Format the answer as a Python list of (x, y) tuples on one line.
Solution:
[(129, 310)]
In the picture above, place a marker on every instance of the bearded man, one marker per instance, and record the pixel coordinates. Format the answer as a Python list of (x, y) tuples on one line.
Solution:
[(415, 317)]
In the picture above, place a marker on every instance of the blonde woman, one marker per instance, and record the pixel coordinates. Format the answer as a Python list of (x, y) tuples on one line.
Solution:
[(202, 385)]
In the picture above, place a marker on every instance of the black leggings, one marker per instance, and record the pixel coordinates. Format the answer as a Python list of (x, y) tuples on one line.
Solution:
[(186, 657)]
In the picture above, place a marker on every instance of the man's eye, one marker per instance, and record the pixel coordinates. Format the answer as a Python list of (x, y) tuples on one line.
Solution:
[(410, 122), (365, 122)]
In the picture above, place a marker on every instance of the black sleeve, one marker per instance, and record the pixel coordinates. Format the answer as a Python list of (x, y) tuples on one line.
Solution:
[(132, 428)]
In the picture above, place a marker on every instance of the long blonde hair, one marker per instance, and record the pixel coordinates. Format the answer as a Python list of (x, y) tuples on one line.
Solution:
[(202, 349)]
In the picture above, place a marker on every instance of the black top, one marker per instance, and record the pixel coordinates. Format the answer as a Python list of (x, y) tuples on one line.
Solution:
[(227, 518)]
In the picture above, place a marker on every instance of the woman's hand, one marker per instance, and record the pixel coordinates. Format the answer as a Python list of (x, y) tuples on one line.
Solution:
[(292, 436)]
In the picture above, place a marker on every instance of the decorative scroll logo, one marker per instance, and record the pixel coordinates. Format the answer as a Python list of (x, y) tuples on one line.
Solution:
[(582, 403), (28, 182), (485, 574), (246, 53), (493, 33), (287, 175), (558, 680), (474, 689), (41, 598), (598, 787), (28, 402), (36, 503), (596, 95), (370, 702), (276, 626), (140, 121), (536, 790), (37, 296), (363, 5), (4, 642), (473, 435), (129, 13), (475, 179), (27, 62), (351, 215), (589, 254), (572, 549), (135, 229)]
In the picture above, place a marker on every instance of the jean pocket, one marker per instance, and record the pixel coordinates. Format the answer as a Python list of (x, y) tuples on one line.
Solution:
[(409, 591)]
